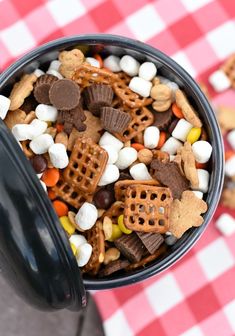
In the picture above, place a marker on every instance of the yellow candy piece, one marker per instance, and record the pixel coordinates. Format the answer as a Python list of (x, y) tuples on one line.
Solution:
[(67, 225), (122, 226), (116, 233), (74, 249), (194, 134)]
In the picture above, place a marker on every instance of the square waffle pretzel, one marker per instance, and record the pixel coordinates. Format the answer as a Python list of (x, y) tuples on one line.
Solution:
[(147, 208), (121, 187), (95, 237), (140, 119), (86, 75), (86, 165), (229, 68), (69, 194), (129, 97), (116, 209)]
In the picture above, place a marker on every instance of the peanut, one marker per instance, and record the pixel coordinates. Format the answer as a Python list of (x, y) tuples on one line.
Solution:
[(111, 254)]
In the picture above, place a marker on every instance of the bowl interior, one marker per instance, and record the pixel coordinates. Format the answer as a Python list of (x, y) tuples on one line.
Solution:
[(107, 44)]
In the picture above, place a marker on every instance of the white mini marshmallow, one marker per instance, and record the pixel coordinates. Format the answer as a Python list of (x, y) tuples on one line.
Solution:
[(151, 137), (109, 139), (112, 153), (41, 144), (39, 175), (182, 129), (58, 155), (4, 106), (54, 65), (203, 177), (231, 138), (126, 157), (83, 254), (219, 81), (22, 132), (111, 174), (46, 112), (87, 216), (199, 194), (93, 62), (171, 146), (140, 86), (225, 224), (55, 73), (38, 72), (44, 186), (38, 128), (112, 63), (140, 172), (129, 65), (77, 240), (202, 151), (230, 166), (147, 71)]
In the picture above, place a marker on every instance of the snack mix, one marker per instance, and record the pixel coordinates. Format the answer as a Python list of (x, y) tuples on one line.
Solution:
[(120, 151)]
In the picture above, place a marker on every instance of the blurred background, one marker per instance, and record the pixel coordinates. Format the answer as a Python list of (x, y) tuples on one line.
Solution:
[(196, 296)]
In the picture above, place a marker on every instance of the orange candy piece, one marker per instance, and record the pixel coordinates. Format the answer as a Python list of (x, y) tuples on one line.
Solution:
[(59, 128), (60, 208), (177, 111), (137, 146), (50, 177), (162, 140), (99, 59)]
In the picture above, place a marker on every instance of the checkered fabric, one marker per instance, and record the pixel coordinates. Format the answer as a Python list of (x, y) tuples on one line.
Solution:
[(196, 296)]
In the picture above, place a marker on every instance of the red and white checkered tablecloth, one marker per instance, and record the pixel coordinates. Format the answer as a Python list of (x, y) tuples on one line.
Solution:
[(196, 296)]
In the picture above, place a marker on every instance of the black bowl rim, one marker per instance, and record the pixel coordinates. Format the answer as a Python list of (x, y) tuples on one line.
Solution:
[(124, 42)]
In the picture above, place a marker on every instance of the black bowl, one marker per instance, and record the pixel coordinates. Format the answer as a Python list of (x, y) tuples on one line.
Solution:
[(107, 44)]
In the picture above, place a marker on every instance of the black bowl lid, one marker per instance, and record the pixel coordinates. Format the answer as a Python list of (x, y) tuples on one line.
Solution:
[(35, 255)]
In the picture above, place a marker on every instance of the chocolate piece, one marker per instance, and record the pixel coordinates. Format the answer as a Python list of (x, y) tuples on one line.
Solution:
[(103, 198), (172, 125), (42, 87), (29, 104), (130, 246), (162, 120), (97, 96), (113, 267), (65, 94), (124, 175), (168, 173), (73, 118), (152, 241), (39, 163), (114, 120)]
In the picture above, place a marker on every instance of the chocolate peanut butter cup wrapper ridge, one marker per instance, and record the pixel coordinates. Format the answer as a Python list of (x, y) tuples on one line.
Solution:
[(152, 241), (130, 247), (113, 267), (65, 94), (114, 120), (97, 96), (42, 88), (162, 119)]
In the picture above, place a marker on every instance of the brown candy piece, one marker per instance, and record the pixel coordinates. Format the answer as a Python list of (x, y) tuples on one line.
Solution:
[(65, 94), (168, 173), (114, 120), (42, 87), (113, 267), (97, 96), (147, 208), (152, 241), (162, 120), (186, 213), (130, 247), (73, 118), (29, 104)]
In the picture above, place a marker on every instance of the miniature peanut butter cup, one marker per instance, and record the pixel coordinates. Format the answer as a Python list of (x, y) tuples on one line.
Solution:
[(42, 88), (97, 96), (65, 94), (152, 241), (114, 120), (130, 246), (162, 120), (114, 266)]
